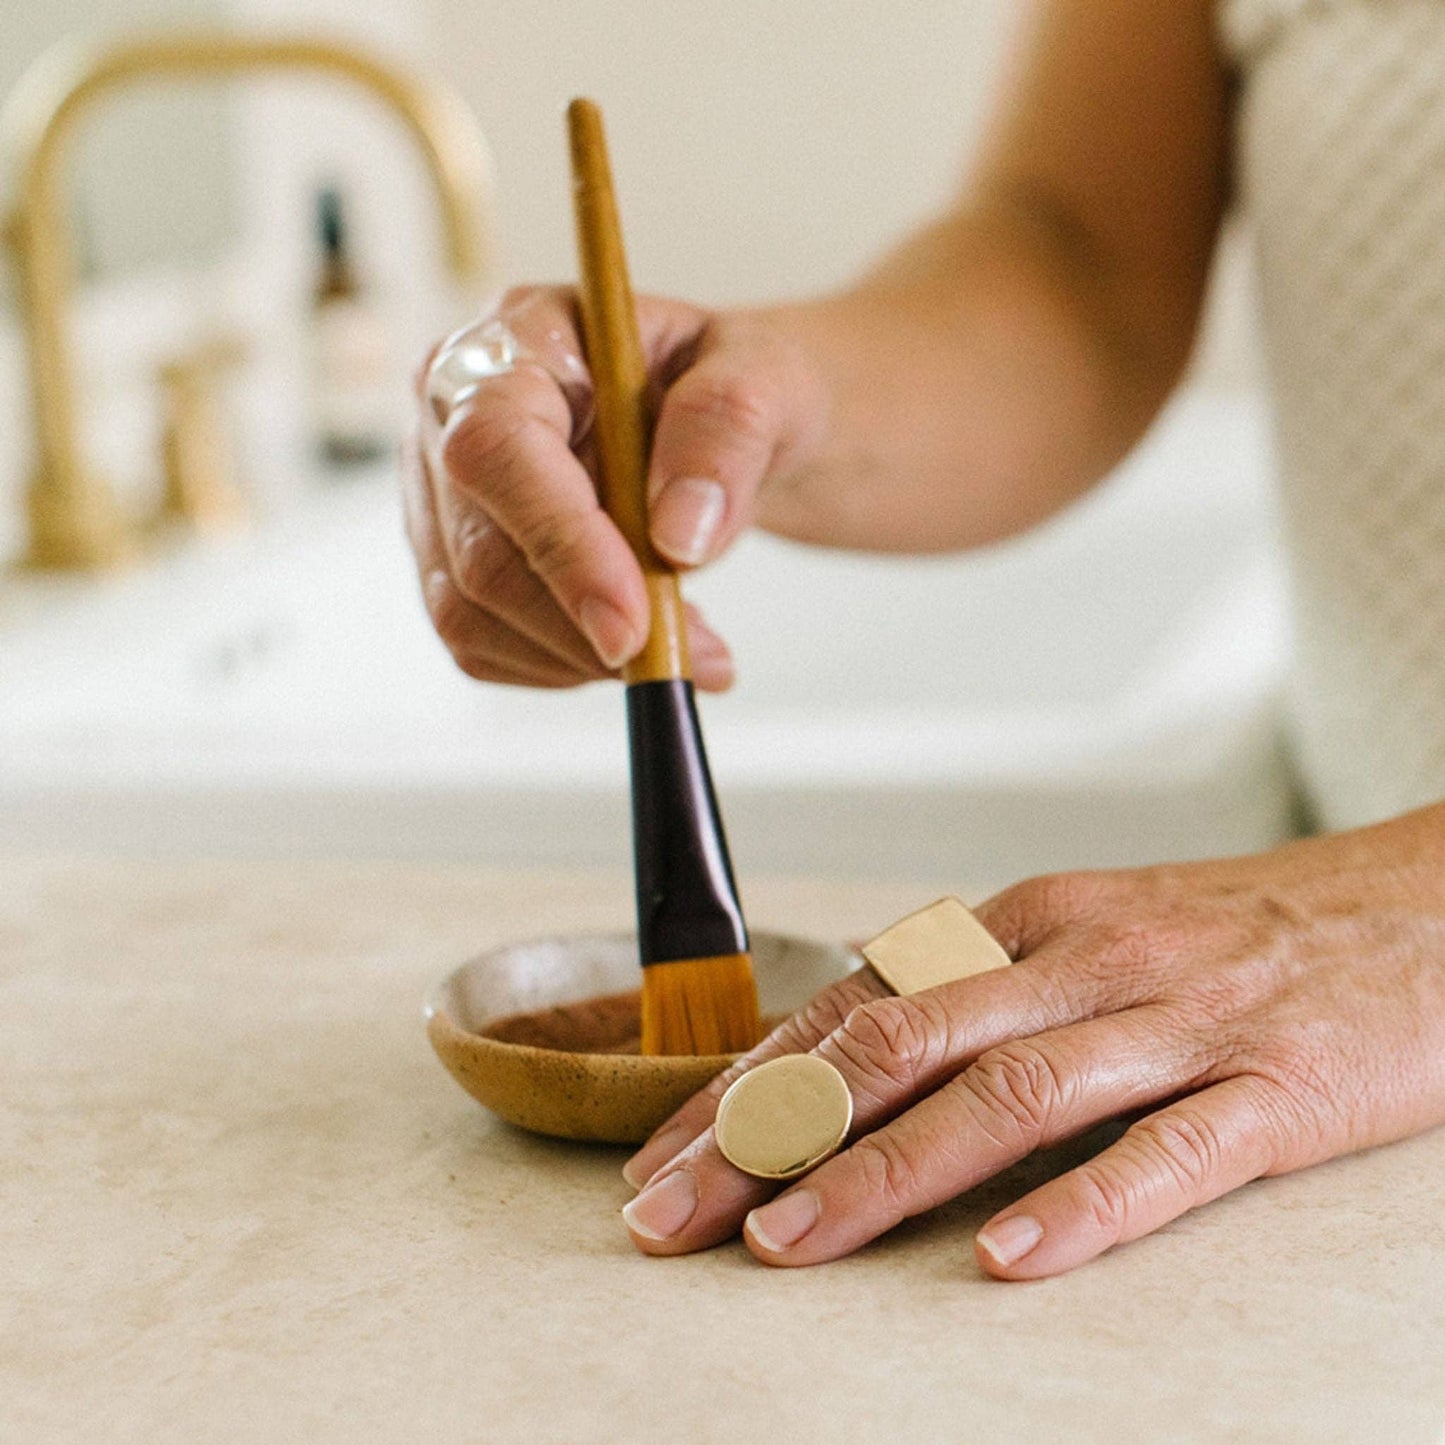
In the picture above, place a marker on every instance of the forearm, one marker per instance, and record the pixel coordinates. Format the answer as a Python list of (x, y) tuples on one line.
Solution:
[(980, 379), (1005, 358)]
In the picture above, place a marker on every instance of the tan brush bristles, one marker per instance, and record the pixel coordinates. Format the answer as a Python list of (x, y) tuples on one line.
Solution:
[(700, 1006)]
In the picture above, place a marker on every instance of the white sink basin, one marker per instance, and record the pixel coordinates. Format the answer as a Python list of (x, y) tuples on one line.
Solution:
[(1102, 691)]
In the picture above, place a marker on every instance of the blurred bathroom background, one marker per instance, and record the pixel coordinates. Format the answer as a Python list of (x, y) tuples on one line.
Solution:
[(1103, 692)]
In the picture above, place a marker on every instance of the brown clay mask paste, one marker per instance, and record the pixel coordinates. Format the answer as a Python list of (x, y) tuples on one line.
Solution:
[(610, 1024)]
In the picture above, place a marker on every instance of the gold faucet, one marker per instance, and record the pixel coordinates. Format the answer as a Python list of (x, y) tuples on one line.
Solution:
[(200, 492), (74, 518)]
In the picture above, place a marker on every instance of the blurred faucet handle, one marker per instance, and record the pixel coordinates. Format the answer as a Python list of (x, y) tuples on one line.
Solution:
[(200, 474)]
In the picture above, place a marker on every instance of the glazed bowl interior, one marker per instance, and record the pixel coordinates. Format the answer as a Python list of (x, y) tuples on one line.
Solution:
[(590, 1090)]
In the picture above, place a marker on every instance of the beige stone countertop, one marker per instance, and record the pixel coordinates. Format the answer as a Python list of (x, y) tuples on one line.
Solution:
[(241, 1201)]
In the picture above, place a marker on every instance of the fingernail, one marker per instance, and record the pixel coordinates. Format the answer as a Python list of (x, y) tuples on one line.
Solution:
[(685, 518), (781, 1224), (1006, 1241), (659, 1212), (654, 1154), (610, 633)]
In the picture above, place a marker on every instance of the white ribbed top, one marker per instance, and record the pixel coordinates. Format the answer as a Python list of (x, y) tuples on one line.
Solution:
[(1342, 167)]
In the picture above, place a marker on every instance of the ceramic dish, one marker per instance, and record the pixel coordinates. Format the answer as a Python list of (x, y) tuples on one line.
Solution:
[(543, 1033)]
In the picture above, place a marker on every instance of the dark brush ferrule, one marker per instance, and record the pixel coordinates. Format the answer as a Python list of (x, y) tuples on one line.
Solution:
[(687, 902)]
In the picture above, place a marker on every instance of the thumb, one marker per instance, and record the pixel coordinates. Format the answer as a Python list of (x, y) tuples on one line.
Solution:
[(747, 406)]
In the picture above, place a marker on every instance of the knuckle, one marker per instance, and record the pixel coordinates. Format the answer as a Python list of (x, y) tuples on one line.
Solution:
[(1105, 1199), (730, 403), (1019, 1088), (885, 1041), (1297, 1072), (1293, 1128), (1296, 1106), (1031, 910), (889, 1173), (1065, 896), (480, 446), (1184, 1142), (825, 1012)]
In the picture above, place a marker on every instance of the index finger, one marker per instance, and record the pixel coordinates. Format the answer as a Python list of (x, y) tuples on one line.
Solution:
[(507, 447), (505, 404), (795, 1035)]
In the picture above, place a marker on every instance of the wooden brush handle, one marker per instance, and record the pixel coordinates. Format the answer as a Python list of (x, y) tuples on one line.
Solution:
[(620, 384)]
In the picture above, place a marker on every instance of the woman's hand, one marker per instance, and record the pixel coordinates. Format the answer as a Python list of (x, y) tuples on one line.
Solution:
[(1271, 1012), (525, 577)]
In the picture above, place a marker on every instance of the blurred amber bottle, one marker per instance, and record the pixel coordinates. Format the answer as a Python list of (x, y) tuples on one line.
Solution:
[(353, 380)]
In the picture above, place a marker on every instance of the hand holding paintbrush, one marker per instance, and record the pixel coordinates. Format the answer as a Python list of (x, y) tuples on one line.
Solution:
[(698, 995)]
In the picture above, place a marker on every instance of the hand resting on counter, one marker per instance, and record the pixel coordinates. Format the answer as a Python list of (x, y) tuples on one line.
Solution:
[(1268, 1012)]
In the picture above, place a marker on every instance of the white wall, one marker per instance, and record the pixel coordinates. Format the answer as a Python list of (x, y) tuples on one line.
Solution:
[(760, 147)]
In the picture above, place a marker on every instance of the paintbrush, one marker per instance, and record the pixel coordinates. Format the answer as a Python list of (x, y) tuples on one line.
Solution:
[(698, 995)]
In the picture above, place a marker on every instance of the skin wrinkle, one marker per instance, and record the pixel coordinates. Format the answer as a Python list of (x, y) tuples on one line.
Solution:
[(478, 557), (875, 1074), (1281, 1126), (1073, 977), (945, 1158), (486, 568), (1135, 954), (474, 633), (725, 402), (889, 1042), (1104, 1202), (552, 550), (1123, 1182), (1017, 1083), (1038, 974), (1188, 1142), (889, 1178), (481, 438), (1243, 978)]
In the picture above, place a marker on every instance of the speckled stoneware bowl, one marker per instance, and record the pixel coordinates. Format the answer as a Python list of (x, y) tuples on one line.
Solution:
[(491, 1021)]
